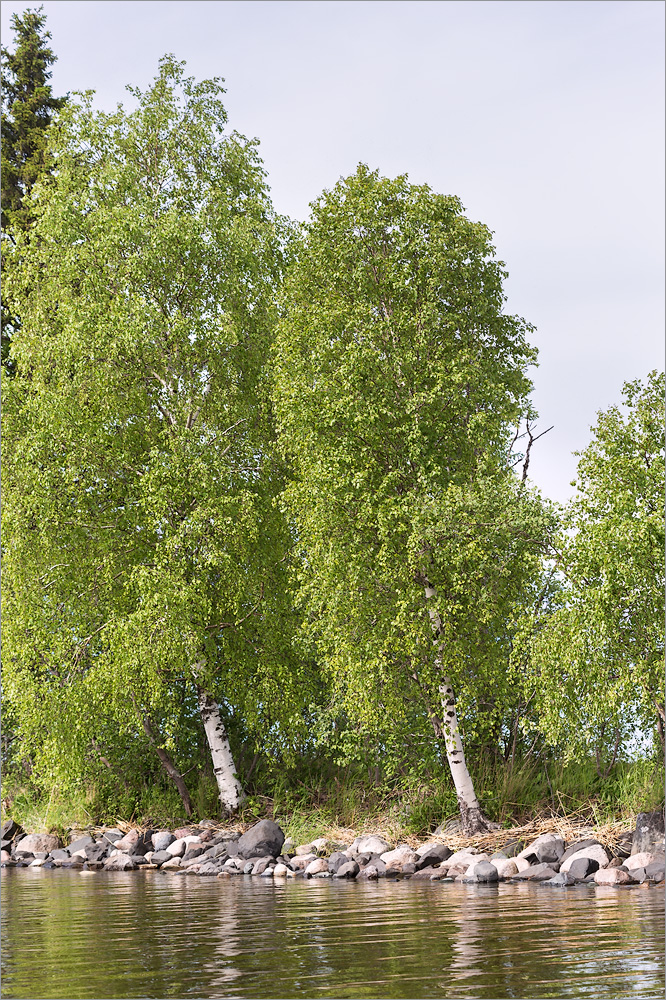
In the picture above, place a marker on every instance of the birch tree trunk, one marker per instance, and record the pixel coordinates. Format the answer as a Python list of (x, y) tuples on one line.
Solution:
[(229, 787), (473, 820)]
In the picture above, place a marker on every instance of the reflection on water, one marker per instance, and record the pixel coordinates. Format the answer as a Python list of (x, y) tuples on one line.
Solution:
[(145, 934)]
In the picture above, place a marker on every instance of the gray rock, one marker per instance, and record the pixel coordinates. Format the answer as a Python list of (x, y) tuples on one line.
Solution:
[(425, 874), (512, 848), (209, 868), (162, 839), (579, 845), (535, 873), (596, 851), (348, 870), (369, 873), (435, 854), (336, 860), (649, 832), (655, 871), (35, 842), (160, 857), (194, 852), (260, 866), (371, 845), (485, 872), (546, 849), (11, 830), (60, 854), (96, 851), (580, 868), (263, 838), (80, 844), (562, 879), (76, 862)]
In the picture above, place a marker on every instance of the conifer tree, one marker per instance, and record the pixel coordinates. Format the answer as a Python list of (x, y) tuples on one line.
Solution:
[(28, 106)]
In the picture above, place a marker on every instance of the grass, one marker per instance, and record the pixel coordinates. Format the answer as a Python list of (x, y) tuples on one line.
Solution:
[(340, 804)]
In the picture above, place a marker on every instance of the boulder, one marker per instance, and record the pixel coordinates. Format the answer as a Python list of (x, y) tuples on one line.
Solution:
[(111, 837), (304, 849), (35, 843), (5, 856), (316, 866), (522, 864), (95, 851), (596, 852), (260, 866), (655, 870), (370, 845), (465, 857), (425, 874), (118, 863), (10, 830), (432, 854), (60, 854), (649, 832), (80, 844), (280, 871), (369, 873), (301, 861), (547, 848), (561, 879), (613, 876), (580, 868), (161, 857), (177, 848), (643, 859), (485, 872), (577, 846), (337, 859), (209, 868), (400, 856), (348, 870), (183, 831), (162, 839), (265, 837), (536, 873), (128, 842), (506, 867), (193, 851), (170, 865)]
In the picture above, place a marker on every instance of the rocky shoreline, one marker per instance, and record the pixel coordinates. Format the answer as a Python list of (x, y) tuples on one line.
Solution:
[(635, 858)]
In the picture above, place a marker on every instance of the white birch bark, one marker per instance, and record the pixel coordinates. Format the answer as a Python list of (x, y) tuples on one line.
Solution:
[(473, 820), (229, 787)]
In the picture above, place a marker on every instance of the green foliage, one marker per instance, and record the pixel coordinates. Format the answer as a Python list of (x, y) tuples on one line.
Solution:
[(28, 106), (399, 381), (141, 533), (597, 661)]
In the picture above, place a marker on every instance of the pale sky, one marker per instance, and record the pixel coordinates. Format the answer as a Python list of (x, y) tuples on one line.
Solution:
[(545, 118)]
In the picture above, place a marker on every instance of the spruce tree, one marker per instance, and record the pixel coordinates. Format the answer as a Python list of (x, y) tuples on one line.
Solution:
[(28, 105)]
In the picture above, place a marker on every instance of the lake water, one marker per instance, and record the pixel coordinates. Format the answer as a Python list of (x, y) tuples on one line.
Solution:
[(149, 934)]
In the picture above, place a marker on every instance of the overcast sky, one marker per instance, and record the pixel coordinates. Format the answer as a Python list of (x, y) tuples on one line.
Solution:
[(545, 118)]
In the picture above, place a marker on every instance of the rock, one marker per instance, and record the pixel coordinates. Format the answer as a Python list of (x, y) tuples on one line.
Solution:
[(400, 856), (95, 851), (649, 832), (348, 870), (596, 852), (506, 867), (161, 857), (615, 863), (536, 873), (10, 830), (35, 843), (655, 870), (546, 849), (432, 854), (118, 863), (193, 851), (485, 872), (209, 868), (280, 871), (316, 866), (577, 846), (79, 845), (170, 865), (369, 873), (613, 876), (622, 846), (522, 864), (301, 861), (5, 856), (183, 831), (425, 874), (60, 854), (561, 879), (260, 866), (162, 839), (128, 842), (37, 863), (466, 857), (177, 848), (265, 837), (304, 849), (371, 845), (320, 845), (111, 837), (580, 868), (336, 859), (643, 859)]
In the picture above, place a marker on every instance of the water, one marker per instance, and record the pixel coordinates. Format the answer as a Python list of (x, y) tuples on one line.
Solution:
[(148, 934)]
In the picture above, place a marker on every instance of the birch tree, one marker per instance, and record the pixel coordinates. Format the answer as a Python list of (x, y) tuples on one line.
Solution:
[(399, 382), (597, 662), (142, 542)]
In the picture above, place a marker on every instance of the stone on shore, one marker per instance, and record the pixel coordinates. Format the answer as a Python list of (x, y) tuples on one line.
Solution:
[(536, 873), (369, 873), (118, 863), (580, 868), (316, 866), (643, 859), (506, 867), (576, 848), (348, 870), (35, 843), (649, 832), (613, 876), (162, 839), (561, 879), (547, 848), (596, 852), (265, 837), (370, 845), (485, 872)]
